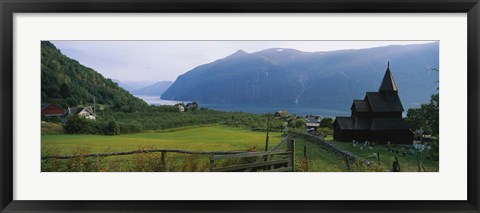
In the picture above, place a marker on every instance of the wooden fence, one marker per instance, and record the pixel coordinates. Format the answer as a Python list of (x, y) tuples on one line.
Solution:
[(273, 160), (163, 151), (270, 161)]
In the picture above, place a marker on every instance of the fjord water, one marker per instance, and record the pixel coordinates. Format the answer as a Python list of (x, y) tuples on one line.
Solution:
[(297, 109)]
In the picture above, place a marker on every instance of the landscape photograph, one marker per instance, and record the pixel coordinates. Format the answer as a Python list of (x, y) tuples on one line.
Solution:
[(239, 106)]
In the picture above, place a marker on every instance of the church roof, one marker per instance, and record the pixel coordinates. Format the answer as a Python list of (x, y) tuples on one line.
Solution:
[(345, 122), (384, 102), (388, 83), (361, 105)]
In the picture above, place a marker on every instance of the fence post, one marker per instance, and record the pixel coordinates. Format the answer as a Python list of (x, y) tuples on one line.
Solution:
[(212, 161), (164, 161), (291, 149), (418, 164), (396, 165), (347, 160), (268, 130), (305, 151), (305, 159)]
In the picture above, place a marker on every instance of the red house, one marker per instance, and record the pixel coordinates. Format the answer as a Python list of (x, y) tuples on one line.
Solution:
[(51, 110)]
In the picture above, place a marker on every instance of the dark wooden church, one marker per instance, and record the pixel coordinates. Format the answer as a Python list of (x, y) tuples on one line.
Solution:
[(378, 117)]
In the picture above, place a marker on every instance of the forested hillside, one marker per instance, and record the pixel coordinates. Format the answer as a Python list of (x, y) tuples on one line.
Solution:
[(66, 82)]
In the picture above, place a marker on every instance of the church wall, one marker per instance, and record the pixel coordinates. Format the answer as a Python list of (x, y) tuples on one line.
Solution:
[(404, 136), (387, 115)]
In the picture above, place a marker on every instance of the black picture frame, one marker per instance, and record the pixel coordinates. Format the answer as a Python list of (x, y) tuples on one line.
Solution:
[(9, 7)]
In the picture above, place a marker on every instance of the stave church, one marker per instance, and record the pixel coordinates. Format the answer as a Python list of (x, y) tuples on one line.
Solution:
[(378, 117)]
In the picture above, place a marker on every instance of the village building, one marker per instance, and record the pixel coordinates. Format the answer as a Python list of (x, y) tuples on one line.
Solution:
[(179, 107), (52, 110), (281, 114), (316, 117), (378, 117), (85, 112), (312, 123)]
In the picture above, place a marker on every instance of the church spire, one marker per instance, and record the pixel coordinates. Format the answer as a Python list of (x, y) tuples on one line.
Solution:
[(388, 83)]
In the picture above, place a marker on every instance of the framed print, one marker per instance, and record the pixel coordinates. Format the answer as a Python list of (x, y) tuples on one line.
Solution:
[(252, 106)]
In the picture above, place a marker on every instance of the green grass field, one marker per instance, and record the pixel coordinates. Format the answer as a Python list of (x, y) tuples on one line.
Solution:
[(319, 160), (408, 163), (209, 138), (200, 138), (204, 138)]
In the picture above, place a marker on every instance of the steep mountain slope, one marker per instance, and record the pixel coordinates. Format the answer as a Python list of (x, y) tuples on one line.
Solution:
[(156, 89), (132, 85), (66, 82), (326, 79)]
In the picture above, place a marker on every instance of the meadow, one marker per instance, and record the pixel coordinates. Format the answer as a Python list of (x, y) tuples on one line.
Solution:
[(198, 138), (319, 160), (205, 138), (408, 162)]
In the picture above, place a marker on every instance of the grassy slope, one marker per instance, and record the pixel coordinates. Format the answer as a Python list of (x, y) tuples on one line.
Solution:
[(319, 160), (51, 128), (408, 163)]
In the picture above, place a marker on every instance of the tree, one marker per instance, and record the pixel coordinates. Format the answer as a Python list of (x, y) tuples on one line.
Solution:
[(300, 123), (192, 106), (72, 101), (326, 123), (76, 125), (112, 128), (64, 91), (426, 117)]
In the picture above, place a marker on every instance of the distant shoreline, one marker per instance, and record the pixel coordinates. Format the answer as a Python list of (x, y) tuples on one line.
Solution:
[(256, 109)]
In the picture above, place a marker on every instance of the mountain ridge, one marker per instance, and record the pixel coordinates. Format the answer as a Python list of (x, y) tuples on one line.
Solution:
[(326, 78), (156, 89)]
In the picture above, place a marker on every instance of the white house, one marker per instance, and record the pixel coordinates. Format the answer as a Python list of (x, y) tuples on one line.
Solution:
[(180, 107), (86, 112)]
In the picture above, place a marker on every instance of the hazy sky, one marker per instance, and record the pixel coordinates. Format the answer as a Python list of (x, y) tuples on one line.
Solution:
[(165, 60)]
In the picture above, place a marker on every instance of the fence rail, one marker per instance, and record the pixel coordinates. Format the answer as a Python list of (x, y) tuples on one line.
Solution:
[(265, 161), (144, 151)]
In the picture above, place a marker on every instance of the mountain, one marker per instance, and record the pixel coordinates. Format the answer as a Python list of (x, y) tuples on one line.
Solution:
[(322, 79), (133, 85), (66, 82), (156, 89)]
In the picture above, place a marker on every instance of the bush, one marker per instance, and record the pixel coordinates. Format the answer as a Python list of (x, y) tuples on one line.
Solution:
[(129, 128), (79, 125), (324, 131), (111, 128), (326, 122), (52, 119)]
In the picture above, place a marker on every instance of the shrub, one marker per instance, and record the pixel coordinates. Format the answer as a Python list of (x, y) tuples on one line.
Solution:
[(112, 128), (324, 131), (78, 125), (326, 122), (52, 119), (129, 128)]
